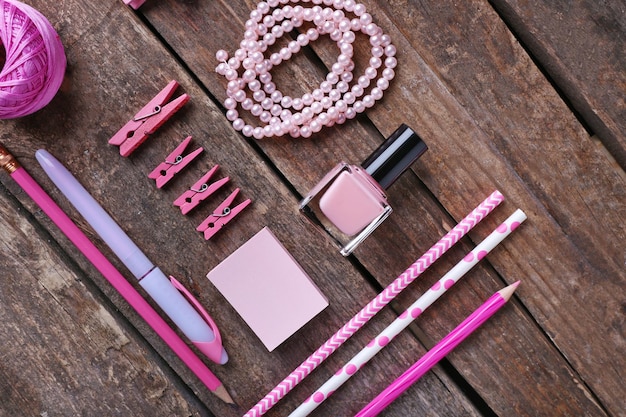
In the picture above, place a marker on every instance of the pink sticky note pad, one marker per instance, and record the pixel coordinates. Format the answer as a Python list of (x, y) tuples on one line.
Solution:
[(268, 288)]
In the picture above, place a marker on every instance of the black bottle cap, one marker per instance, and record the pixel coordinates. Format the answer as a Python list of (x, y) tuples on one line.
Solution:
[(394, 156)]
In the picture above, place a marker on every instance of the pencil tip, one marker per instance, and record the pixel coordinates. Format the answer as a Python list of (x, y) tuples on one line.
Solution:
[(223, 395), (507, 292)]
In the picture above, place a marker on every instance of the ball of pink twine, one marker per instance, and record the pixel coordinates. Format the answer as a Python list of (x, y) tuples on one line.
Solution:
[(35, 60)]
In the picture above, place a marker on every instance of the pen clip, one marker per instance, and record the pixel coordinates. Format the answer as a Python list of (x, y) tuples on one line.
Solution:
[(214, 348)]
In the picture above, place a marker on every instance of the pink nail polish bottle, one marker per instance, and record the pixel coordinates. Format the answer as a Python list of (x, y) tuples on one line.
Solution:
[(350, 201)]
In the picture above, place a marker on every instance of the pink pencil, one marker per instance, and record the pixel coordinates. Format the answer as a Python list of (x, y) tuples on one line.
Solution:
[(106, 268), (377, 304), (441, 349)]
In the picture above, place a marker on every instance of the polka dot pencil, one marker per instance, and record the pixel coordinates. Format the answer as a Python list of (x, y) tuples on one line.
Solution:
[(413, 312)]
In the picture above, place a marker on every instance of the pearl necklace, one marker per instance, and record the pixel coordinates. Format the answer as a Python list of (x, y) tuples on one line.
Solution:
[(337, 98)]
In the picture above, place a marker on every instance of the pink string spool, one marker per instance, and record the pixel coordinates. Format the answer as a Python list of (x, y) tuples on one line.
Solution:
[(35, 61)]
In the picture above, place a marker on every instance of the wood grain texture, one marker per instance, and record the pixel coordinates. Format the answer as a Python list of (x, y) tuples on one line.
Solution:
[(489, 117), (581, 47), (150, 219), (492, 120), (63, 351)]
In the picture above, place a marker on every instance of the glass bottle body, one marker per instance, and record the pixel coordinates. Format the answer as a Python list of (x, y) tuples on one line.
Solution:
[(348, 203)]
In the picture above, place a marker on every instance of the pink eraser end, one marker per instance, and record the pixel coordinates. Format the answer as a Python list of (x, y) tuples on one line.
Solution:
[(268, 288)]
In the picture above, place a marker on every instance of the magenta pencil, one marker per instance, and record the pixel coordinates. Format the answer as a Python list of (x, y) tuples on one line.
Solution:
[(108, 270), (377, 304), (438, 352)]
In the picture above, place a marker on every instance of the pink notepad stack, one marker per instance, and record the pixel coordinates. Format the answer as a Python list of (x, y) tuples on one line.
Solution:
[(268, 288)]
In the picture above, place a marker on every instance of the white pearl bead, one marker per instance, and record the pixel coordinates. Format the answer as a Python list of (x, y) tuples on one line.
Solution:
[(221, 55), (340, 97)]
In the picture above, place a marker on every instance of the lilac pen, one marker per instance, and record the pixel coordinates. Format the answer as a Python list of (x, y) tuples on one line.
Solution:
[(150, 277)]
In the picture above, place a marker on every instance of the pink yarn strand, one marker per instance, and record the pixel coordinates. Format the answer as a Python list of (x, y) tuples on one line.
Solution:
[(35, 60)]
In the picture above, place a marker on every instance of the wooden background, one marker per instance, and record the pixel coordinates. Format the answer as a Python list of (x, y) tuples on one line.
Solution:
[(527, 97)]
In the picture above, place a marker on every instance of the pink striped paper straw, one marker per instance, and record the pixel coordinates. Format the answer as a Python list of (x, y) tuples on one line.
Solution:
[(377, 304), (413, 312), (438, 352)]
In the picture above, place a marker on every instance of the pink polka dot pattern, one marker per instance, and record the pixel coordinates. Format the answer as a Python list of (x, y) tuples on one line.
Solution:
[(351, 369), (482, 254), (449, 283), (436, 286), (502, 228), (318, 397), (415, 313), (514, 225), (469, 257), (383, 341)]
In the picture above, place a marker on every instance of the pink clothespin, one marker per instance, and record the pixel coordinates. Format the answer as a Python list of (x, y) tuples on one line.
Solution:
[(134, 3), (221, 216), (148, 120), (199, 191), (173, 164)]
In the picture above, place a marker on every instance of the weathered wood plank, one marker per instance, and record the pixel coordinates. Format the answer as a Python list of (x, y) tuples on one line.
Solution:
[(105, 92), (573, 188), (63, 351), (580, 45), (491, 119)]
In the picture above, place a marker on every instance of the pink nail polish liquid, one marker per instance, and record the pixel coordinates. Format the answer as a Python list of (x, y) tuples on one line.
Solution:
[(350, 201)]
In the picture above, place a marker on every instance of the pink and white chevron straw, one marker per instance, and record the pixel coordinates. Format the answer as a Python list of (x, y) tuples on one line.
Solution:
[(377, 304)]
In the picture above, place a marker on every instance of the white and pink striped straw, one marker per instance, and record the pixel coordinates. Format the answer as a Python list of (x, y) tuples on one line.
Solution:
[(411, 313), (377, 304)]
